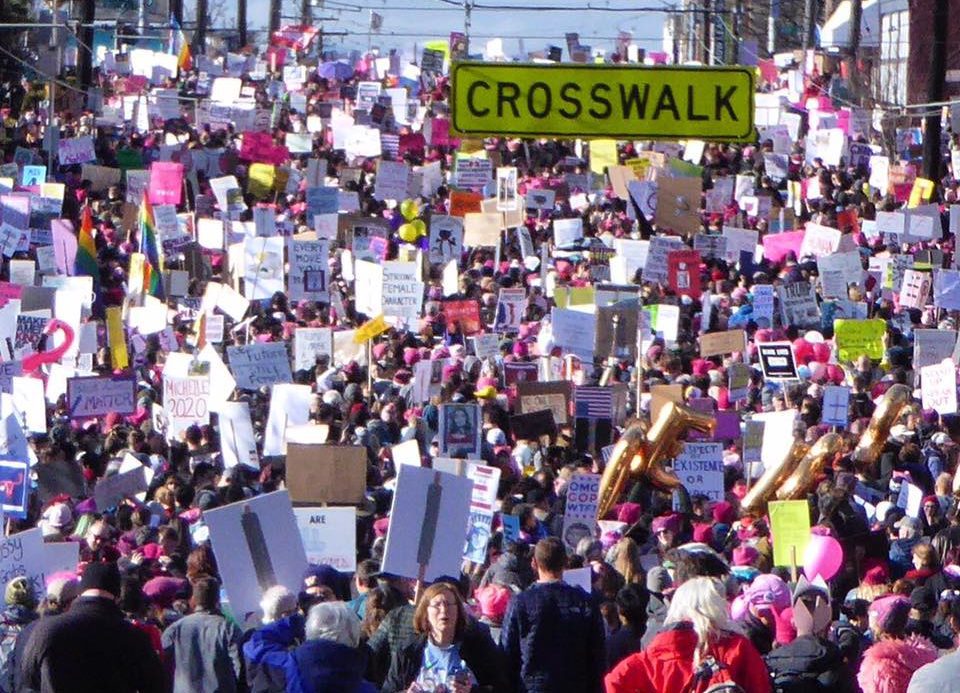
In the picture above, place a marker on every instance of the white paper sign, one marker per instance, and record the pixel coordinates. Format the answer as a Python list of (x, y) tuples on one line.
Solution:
[(329, 536)]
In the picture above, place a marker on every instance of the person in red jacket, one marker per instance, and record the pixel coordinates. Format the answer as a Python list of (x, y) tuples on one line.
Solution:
[(699, 647)]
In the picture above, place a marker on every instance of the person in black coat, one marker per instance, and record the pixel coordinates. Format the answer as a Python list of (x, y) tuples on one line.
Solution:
[(810, 663), (447, 649), (92, 647), (632, 603)]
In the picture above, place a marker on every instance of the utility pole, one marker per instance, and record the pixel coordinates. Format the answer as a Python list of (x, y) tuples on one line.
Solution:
[(856, 14), (772, 27), (274, 17), (809, 22), (935, 81), (200, 35), (467, 11), (306, 13), (242, 22), (707, 41), (88, 13)]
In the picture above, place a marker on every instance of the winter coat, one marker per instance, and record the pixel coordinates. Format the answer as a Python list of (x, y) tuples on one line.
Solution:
[(889, 664), (622, 644), (477, 650), (553, 639), (809, 665), (942, 676), (315, 666), (12, 622), (667, 665), (91, 648), (203, 649)]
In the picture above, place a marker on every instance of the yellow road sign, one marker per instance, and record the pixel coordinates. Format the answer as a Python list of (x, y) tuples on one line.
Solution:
[(609, 101)]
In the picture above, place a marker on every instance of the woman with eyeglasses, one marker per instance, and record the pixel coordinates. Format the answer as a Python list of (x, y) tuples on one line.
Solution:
[(699, 647), (445, 656)]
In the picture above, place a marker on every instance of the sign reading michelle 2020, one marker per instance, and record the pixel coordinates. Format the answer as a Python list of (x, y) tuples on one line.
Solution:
[(710, 103)]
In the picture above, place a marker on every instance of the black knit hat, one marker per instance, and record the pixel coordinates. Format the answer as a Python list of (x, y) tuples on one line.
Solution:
[(101, 576)]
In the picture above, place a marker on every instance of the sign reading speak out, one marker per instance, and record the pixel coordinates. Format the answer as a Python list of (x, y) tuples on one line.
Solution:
[(625, 101)]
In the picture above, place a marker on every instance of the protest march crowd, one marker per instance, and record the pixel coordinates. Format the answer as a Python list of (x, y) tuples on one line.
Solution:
[(273, 332)]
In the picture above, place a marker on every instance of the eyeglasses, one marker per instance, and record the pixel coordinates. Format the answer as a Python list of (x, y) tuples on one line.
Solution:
[(449, 606)]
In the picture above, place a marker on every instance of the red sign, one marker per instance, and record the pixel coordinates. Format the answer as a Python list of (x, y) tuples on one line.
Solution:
[(466, 314), (683, 272)]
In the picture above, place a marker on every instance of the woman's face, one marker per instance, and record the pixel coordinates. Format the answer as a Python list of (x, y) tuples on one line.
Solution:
[(442, 613)]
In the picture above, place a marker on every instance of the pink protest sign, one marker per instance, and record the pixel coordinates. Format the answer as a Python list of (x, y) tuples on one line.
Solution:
[(166, 183), (64, 245), (259, 147), (439, 132), (777, 245)]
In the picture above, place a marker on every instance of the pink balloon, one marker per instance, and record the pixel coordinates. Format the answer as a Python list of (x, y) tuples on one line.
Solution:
[(835, 373), (818, 371), (803, 350), (821, 352), (823, 556)]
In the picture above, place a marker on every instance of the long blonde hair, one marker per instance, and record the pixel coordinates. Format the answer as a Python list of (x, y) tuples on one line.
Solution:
[(702, 602), (626, 560)]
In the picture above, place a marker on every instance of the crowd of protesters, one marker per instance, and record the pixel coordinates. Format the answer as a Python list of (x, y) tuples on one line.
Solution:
[(685, 596)]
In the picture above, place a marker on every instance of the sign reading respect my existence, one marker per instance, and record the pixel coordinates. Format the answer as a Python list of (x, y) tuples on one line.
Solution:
[(626, 101)]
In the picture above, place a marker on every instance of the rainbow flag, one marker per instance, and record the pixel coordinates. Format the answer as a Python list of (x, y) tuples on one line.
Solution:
[(180, 47), (152, 281), (86, 260)]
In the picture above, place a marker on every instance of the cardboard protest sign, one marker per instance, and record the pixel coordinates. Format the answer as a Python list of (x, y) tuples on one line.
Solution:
[(460, 430), (98, 396), (326, 473), (256, 365), (836, 405), (777, 360), (580, 515), (678, 205), (483, 499), (329, 536), (700, 469), (855, 338), (938, 387), (554, 396), (423, 541), (719, 343), (256, 543), (616, 331), (790, 531)]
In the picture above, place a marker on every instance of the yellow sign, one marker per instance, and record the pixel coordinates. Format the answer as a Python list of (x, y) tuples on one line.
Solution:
[(857, 337), (790, 528), (603, 101), (115, 337), (921, 192), (370, 329)]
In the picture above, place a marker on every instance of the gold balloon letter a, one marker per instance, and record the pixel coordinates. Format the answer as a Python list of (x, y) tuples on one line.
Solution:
[(640, 453)]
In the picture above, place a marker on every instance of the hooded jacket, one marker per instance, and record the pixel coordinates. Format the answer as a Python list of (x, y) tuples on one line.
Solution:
[(809, 664), (667, 665), (888, 666)]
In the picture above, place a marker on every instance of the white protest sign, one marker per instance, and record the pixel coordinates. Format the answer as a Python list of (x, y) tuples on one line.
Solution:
[(186, 401), (289, 406), (938, 387), (91, 397), (25, 555), (700, 469), (238, 444), (329, 536), (256, 545), (580, 516), (308, 344), (798, 304), (915, 289), (819, 240), (309, 270), (110, 490), (836, 402), (76, 150), (402, 292), (446, 239), (256, 365), (482, 502), (423, 541), (391, 180), (763, 305)]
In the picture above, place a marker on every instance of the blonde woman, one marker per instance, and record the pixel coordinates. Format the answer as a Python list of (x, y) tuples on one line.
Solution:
[(699, 647), (625, 558)]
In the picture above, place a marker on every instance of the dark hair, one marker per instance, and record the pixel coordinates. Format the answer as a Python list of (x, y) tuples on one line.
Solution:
[(206, 594), (551, 556), (691, 564), (366, 570), (632, 603)]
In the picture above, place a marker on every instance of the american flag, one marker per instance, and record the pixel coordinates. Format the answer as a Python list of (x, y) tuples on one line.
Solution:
[(593, 402)]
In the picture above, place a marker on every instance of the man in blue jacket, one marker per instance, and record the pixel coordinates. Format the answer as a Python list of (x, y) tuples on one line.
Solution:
[(553, 635)]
